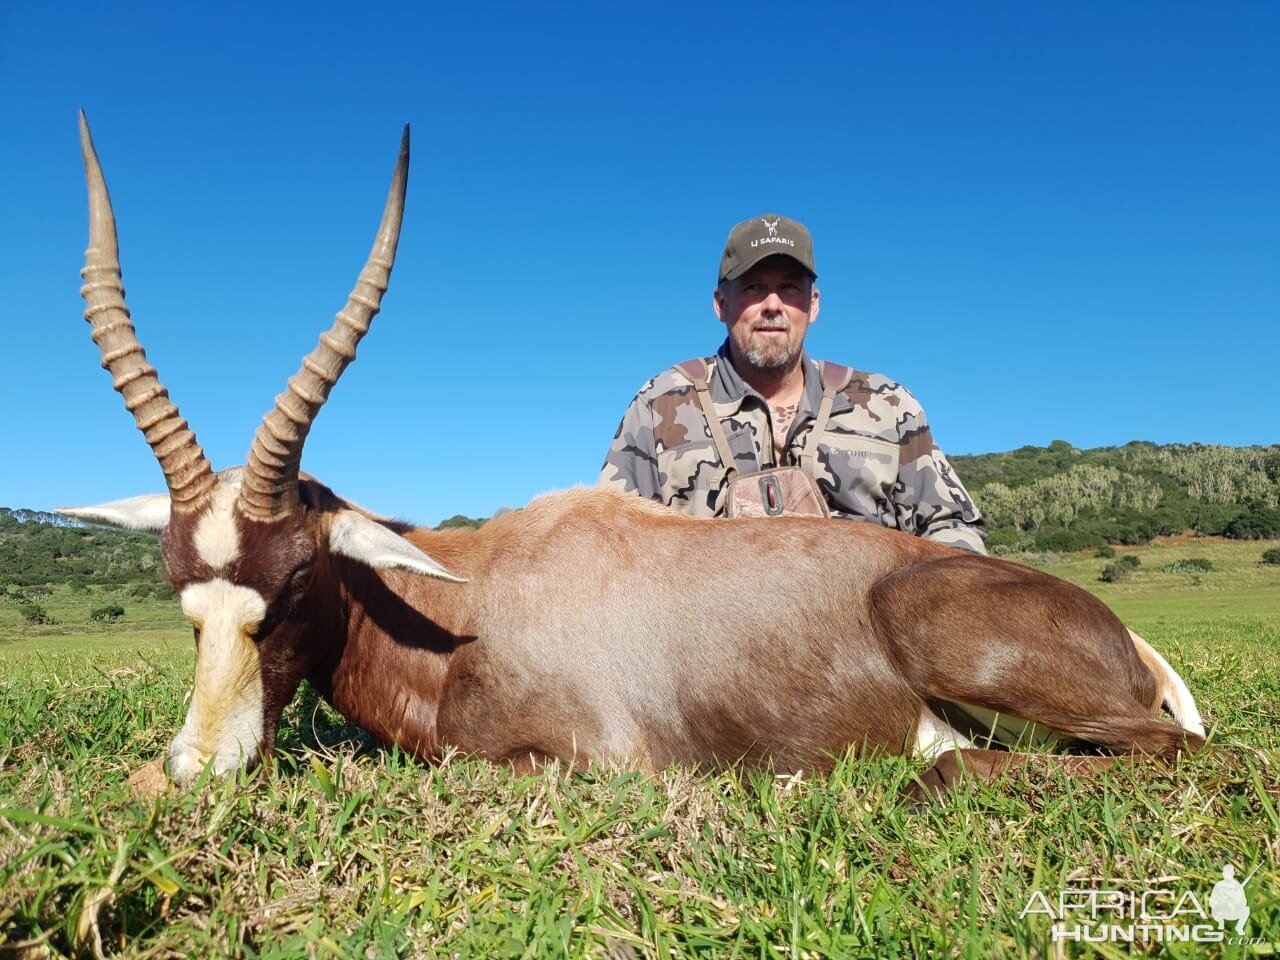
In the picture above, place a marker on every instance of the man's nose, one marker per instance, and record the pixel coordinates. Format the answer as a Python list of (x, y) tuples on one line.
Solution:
[(772, 303)]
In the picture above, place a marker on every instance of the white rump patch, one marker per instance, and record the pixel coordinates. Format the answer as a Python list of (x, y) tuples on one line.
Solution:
[(217, 540), (356, 536), (1011, 731), (224, 723), (149, 512), (934, 736)]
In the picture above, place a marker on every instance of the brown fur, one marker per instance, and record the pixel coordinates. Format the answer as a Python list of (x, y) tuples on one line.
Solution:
[(597, 625)]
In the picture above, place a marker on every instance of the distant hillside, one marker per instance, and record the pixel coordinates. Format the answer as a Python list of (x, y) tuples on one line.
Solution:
[(1062, 498), (39, 548), (1042, 498), (44, 548)]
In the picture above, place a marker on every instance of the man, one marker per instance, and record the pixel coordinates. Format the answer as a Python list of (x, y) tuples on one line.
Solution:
[(876, 460)]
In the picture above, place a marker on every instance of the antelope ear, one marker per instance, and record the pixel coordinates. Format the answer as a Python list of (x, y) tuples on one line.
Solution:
[(149, 512), (356, 536)]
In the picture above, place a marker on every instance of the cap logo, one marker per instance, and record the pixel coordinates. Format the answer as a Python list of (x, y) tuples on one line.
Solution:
[(772, 235)]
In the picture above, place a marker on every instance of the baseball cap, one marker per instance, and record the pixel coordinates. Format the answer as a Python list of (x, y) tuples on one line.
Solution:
[(753, 240)]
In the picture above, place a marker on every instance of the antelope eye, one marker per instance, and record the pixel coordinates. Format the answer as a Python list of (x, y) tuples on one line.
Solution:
[(298, 583)]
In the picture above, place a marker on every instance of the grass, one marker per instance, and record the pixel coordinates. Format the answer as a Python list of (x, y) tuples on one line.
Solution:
[(342, 849)]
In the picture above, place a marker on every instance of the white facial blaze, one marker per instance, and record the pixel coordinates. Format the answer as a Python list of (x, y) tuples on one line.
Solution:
[(225, 720), (217, 540)]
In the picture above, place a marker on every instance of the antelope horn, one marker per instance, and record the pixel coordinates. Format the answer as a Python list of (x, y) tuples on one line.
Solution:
[(186, 469), (270, 486)]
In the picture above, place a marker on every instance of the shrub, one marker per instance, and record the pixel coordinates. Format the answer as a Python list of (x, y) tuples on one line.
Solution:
[(1211, 519), (1130, 560), (1116, 573), (35, 614), (1135, 532), (1068, 540), (1255, 523), (112, 613), (1190, 565), (1271, 556), (144, 591), (1106, 553)]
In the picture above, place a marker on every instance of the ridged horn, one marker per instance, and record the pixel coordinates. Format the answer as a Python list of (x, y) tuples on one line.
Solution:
[(270, 485), (186, 469)]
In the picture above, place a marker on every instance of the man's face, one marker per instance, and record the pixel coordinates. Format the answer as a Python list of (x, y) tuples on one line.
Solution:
[(767, 311)]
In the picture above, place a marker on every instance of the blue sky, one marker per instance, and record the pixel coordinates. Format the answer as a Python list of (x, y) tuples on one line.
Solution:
[(1050, 220)]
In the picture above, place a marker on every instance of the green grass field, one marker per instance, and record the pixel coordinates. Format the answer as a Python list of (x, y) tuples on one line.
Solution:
[(343, 849)]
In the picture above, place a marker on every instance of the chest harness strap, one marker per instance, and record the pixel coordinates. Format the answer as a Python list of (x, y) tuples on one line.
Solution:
[(834, 379)]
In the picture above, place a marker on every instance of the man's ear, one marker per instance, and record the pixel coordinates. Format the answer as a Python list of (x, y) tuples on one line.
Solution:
[(813, 306), (149, 512), (717, 299), (356, 536)]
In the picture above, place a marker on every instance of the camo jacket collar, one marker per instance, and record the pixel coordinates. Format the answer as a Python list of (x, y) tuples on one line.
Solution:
[(729, 391)]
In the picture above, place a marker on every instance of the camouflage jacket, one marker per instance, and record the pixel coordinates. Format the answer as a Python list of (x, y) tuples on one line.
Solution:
[(876, 461)]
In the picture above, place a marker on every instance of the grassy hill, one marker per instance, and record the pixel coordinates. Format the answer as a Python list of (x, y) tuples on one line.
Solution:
[(40, 549), (1063, 498)]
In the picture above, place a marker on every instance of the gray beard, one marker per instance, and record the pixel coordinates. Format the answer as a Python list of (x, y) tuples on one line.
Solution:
[(771, 360)]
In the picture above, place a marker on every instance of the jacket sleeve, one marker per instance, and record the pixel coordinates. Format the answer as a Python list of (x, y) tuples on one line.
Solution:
[(930, 500), (632, 461)]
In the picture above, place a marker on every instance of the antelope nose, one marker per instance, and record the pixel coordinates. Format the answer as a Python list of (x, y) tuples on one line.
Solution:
[(183, 766)]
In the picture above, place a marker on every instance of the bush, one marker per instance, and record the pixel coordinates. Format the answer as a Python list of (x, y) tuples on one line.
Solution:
[(35, 614), (1190, 565), (1117, 573), (1271, 556), (144, 591), (1063, 540), (1255, 523), (1130, 560), (1106, 553), (1211, 519), (112, 613)]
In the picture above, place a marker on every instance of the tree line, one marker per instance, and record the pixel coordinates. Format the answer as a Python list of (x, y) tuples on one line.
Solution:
[(1063, 498), (1036, 498)]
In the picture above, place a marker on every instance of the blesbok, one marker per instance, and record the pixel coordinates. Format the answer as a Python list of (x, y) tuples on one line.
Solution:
[(593, 624)]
